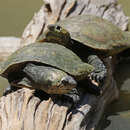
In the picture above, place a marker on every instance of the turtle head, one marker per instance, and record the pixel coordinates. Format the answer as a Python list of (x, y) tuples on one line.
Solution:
[(58, 82), (49, 79), (55, 34)]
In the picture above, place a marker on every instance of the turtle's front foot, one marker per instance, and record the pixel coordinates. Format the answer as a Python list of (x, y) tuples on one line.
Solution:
[(73, 96), (99, 74)]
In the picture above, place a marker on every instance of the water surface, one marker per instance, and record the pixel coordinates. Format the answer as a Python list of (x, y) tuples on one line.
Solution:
[(117, 115)]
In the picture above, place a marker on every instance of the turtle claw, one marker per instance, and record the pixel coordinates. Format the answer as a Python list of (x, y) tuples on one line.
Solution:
[(97, 77), (73, 96), (100, 71)]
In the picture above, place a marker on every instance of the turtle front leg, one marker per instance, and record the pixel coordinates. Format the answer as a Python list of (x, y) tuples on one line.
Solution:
[(72, 96), (100, 71)]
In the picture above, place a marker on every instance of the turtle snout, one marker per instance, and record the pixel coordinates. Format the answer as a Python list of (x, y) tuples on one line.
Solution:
[(68, 81)]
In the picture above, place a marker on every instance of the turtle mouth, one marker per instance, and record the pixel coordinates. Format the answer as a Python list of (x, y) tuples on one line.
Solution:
[(50, 90), (66, 84), (58, 90)]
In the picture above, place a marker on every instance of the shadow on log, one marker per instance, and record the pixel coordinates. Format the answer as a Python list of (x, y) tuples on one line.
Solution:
[(24, 110)]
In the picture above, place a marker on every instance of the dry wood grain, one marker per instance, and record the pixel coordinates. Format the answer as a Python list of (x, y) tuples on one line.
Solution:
[(8, 45)]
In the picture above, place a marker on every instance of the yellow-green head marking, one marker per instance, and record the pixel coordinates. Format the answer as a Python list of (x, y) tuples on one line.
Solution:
[(55, 34)]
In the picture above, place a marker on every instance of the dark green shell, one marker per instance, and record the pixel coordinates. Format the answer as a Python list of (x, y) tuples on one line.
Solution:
[(50, 54), (96, 33)]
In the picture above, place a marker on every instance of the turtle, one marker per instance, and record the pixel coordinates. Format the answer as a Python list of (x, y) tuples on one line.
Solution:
[(92, 31), (49, 67), (92, 38)]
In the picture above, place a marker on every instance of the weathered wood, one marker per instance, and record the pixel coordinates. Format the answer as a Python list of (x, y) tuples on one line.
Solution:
[(8, 45), (24, 110)]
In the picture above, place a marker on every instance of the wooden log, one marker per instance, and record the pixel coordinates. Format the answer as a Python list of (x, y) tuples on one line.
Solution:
[(24, 109), (8, 45)]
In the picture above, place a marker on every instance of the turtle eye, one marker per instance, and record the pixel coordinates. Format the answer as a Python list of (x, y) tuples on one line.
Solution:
[(58, 28)]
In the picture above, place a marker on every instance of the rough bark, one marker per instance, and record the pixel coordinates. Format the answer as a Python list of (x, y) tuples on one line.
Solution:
[(24, 110), (8, 45)]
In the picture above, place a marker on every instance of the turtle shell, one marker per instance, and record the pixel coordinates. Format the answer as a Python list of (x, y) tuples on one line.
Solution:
[(48, 54), (96, 33)]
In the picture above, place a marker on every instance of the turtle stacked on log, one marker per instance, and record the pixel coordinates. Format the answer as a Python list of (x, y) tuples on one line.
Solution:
[(49, 67), (89, 37)]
